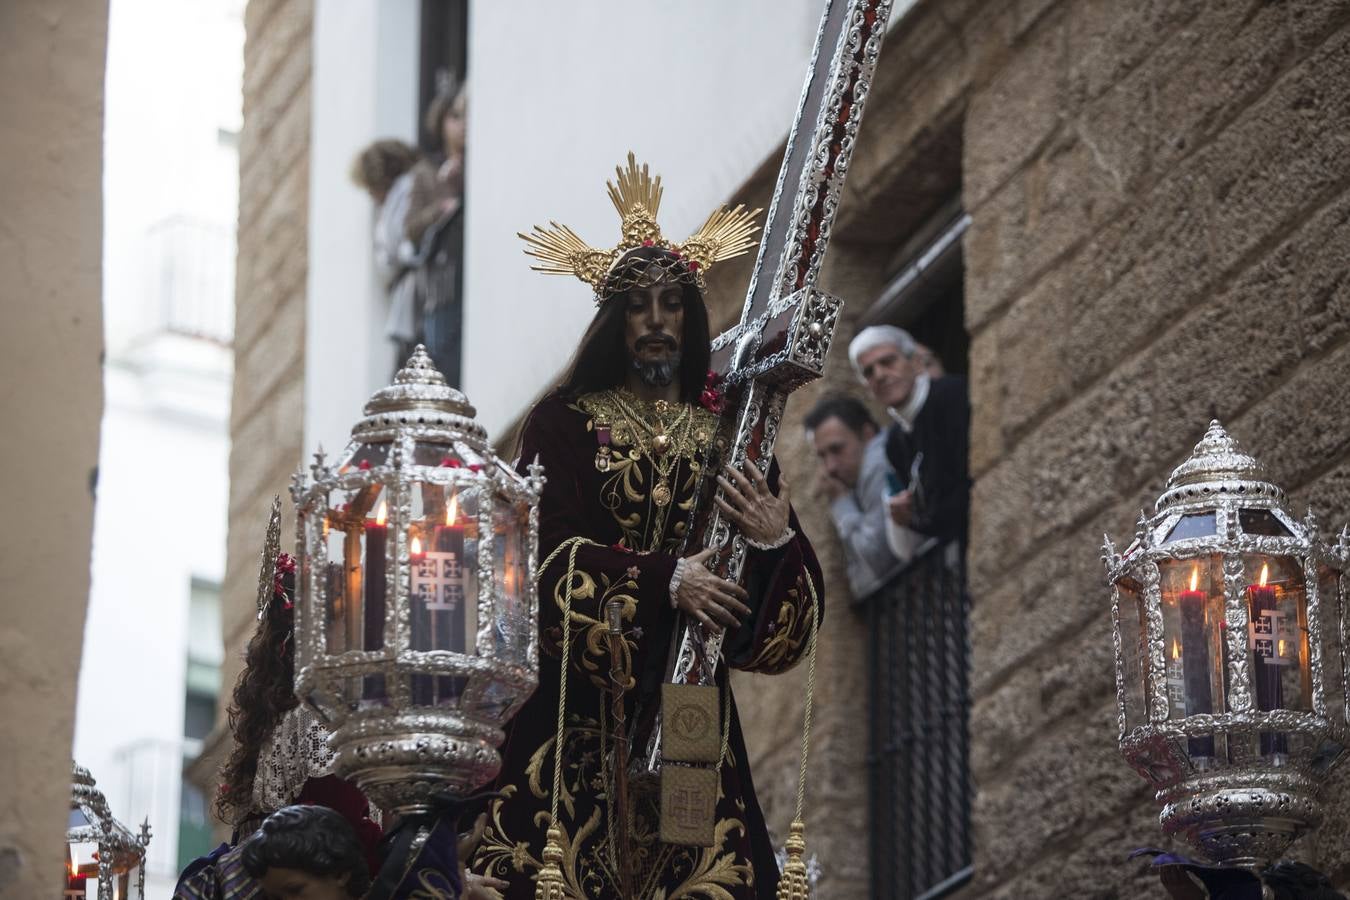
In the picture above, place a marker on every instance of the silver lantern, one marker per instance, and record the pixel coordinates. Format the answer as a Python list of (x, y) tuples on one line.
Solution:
[(1230, 656), (415, 629), (104, 859)]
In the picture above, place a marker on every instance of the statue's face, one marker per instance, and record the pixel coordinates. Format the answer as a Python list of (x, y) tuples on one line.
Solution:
[(294, 884), (654, 326)]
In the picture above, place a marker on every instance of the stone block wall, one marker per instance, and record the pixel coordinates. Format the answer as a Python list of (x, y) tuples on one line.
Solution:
[(1159, 220), (1158, 192), (266, 415)]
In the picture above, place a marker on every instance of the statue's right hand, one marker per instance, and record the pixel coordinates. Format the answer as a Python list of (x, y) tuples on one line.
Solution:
[(713, 601)]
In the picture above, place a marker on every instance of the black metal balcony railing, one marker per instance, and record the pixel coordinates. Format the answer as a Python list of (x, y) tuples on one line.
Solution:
[(919, 775)]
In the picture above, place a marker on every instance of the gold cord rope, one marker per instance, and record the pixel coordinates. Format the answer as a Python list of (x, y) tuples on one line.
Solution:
[(794, 884), (550, 884)]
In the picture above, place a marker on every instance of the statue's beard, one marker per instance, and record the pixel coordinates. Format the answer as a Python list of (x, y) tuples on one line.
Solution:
[(657, 372)]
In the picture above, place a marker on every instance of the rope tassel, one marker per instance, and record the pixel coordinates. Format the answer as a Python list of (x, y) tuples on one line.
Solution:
[(793, 883), (549, 885)]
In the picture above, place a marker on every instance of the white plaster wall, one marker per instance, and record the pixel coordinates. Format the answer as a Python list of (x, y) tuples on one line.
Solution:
[(160, 515), (364, 87), (704, 90), (159, 522)]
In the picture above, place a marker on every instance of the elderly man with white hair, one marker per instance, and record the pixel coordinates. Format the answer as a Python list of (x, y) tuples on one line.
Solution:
[(928, 444)]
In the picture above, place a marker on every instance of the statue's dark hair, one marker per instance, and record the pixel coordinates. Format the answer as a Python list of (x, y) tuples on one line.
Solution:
[(263, 694), (601, 362), (312, 839), (844, 407)]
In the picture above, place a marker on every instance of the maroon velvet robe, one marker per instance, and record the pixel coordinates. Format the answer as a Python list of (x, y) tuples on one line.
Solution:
[(638, 541)]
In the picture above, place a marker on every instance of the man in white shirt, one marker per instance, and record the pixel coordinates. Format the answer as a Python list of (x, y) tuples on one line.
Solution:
[(851, 451)]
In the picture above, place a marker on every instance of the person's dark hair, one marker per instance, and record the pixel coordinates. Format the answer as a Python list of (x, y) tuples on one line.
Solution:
[(601, 361), (1299, 881), (844, 407), (312, 839), (378, 166), (450, 97), (263, 694)]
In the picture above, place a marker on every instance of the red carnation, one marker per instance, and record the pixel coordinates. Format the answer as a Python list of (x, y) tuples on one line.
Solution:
[(649, 243), (364, 465)]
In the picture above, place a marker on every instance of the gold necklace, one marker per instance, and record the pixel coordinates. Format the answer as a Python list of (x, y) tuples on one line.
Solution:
[(630, 421), (654, 441)]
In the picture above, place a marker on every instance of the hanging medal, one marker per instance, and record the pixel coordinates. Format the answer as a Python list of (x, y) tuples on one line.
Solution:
[(602, 455)]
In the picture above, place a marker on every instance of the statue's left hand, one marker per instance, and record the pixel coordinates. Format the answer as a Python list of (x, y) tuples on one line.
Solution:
[(751, 506)]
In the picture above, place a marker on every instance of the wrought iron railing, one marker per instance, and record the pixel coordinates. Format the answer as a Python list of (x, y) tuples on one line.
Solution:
[(918, 760)]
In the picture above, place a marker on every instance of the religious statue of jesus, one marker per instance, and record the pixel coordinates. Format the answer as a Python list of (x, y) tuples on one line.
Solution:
[(624, 441)]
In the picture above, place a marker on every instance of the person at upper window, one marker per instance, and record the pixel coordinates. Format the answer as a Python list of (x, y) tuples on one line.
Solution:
[(928, 445), (435, 227), (851, 450), (385, 171)]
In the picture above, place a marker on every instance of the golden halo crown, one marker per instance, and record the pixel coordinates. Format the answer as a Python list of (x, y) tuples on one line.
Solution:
[(636, 196)]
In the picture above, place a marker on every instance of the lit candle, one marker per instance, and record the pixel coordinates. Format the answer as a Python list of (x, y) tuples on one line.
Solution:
[(376, 536), (373, 619), (1263, 631), (450, 541), (1176, 681), (1195, 660)]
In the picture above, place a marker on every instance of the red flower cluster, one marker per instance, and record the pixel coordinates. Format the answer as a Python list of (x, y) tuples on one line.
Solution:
[(285, 566), (711, 399)]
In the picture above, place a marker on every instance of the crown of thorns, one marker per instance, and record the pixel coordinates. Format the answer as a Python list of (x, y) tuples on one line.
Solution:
[(636, 196)]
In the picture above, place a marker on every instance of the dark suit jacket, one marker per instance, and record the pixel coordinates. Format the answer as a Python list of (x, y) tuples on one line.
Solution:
[(942, 434)]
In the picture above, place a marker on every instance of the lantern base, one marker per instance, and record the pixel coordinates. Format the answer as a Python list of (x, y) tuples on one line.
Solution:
[(1243, 826), (401, 768)]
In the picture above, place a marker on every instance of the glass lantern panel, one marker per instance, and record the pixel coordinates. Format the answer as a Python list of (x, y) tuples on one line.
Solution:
[(435, 453), (367, 456), (1134, 656), (1193, 526), (443, 582), (510, 575), (77, 818), (1193, 642), (1277, 639), (1262, 522), (359, 540)]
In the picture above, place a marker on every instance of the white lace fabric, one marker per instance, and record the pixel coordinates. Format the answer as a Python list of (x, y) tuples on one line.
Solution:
[(296, 752)]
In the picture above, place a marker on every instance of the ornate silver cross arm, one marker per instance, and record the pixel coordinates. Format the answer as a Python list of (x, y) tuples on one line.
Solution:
[(786, 324)]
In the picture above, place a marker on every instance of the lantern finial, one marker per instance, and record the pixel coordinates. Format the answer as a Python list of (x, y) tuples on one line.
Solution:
[(1217, 465)]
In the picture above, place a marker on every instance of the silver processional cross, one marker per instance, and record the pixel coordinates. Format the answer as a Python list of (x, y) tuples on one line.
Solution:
[(787, 324)]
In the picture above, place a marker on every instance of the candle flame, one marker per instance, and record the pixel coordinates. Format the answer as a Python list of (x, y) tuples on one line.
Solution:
[(1281, 651), (416, 545), (381, 514), (1265, 573), (452, 510), (1195, 577), (1176, 649)]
